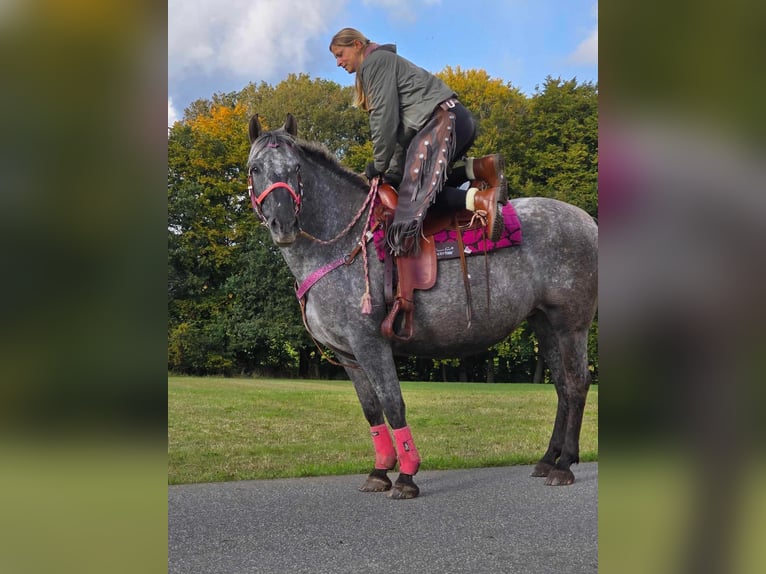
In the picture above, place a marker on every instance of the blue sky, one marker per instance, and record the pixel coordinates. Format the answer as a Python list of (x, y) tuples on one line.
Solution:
[(222, 45)]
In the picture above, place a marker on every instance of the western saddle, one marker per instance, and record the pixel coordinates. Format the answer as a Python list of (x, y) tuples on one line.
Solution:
[(419, 271)]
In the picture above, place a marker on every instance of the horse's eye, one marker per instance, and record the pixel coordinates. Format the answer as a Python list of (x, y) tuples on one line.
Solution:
[(253, 169)]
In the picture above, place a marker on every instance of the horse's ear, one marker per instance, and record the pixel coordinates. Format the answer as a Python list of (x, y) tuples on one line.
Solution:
[(255, 128), (291, 125)]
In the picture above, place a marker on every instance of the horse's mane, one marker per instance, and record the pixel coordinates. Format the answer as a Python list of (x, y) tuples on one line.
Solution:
[(314, 150)]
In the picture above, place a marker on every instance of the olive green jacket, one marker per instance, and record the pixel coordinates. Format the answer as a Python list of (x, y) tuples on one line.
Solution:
[(401, 98)]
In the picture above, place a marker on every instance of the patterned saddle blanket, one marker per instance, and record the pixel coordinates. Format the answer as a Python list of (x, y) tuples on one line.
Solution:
[(474, 240)]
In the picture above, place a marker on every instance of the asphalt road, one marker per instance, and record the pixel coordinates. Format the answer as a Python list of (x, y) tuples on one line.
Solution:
[(479, 521)]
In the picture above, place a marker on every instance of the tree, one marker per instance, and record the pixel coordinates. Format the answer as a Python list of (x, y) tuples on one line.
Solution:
[(322, 108), (263, 318), (231, 303), (499, 109), (205, 227), (558, 155)]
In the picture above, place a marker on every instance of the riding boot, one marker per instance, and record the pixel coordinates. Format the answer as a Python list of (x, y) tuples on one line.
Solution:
[(489, 169), (485, 203)]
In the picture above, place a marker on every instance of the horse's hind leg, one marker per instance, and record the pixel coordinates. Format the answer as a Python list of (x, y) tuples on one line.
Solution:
[(565, 353)]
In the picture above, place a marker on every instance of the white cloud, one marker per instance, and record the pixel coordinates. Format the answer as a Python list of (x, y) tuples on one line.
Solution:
[(256, 39), (587, 51), (401, 10), (172, 113)]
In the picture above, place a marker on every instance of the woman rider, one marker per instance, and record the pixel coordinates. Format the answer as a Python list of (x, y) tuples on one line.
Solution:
[(411, 111)]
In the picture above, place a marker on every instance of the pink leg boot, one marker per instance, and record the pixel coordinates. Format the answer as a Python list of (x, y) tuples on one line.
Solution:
[(385, 455), (409, 459)]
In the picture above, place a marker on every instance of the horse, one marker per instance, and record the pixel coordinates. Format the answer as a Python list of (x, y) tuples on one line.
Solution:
[(316, 210)]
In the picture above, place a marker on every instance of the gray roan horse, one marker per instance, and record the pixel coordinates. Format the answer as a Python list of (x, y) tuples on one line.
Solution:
[(315, 210)]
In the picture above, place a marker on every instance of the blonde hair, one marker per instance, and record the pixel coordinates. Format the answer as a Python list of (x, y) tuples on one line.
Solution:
[(344, 38)]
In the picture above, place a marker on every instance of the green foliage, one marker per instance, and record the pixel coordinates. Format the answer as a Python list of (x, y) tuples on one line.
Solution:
[(593, 350), (263, 317), (231, 304), (199, 348), (516, 356), (559, 155), (323, 110), (358, 155), (498, 108)]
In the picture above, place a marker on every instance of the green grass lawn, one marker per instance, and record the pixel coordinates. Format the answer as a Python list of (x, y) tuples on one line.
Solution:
[(234, 429)]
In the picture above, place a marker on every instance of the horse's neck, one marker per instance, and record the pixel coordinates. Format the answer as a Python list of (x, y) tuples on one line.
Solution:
[(330, 205), (332, 202)]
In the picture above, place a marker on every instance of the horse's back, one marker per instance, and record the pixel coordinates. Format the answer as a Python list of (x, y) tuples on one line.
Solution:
[(555, 265), (550, 220)]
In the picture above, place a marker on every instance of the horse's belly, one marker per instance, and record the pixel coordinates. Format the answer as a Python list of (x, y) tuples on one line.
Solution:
[(443, 327), (455, 336)]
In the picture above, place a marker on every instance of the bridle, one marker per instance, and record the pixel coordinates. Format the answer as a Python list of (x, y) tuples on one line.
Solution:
[(257, 201), (301, 289)]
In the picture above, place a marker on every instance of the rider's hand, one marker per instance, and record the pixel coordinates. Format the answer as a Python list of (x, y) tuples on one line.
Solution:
[(371, 172), (393, 179)]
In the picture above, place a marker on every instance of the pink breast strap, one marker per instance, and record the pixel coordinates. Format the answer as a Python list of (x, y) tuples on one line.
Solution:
[(309, 282)]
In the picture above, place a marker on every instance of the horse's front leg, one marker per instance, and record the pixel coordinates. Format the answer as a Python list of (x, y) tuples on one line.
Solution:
[(382, 401), (385, 454)]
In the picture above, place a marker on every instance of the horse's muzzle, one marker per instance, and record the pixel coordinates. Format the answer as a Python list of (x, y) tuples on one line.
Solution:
[(283, 235)]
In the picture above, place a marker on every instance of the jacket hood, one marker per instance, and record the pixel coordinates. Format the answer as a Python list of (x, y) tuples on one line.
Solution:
[(387, 47)]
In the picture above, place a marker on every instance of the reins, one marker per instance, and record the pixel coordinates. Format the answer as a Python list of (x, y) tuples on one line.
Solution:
[(302, 289), (349, 227), (348, 259)]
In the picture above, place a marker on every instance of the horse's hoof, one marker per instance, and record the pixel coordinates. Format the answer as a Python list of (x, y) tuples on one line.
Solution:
[(376, 484), (404, 488), (558, 477), (542, 469), (402, 492)]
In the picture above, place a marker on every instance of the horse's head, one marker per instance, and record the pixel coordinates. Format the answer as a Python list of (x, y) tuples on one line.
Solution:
[(274, 179)]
